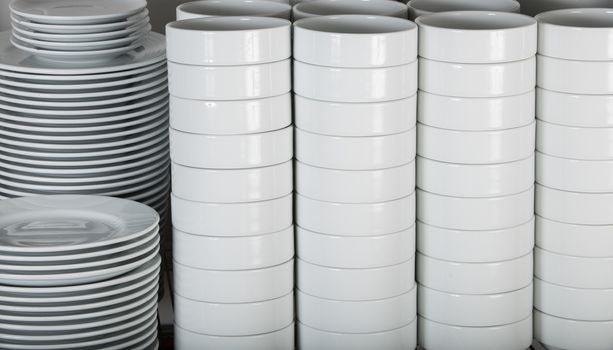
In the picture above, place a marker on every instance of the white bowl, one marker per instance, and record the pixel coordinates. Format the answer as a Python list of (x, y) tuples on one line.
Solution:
[(279, 340), (356, 316), (234, 219), (574, 207), (355, 186), (475, 213), (349, 7), (424, 7), (232, 151), (571, 334), (573, 303), (355, 84), (475, 180), (355, 251), (590, 111), (575, 77), (532, 8), (574, 142), (577, 34), (355, 40), (355, 119), (239, 286), (573, 271), (356, 153), (355, 284), (515, 336), (476, 36), (574, 240), (252, 8), (342, 219), (477, 80), (399, 338), (232, 186), (476, 147), (229, 82), (475, 246), (474, 278), (231, 117), (485, 310), (234, 319), (233, 253), (224, 41), (574, 175)]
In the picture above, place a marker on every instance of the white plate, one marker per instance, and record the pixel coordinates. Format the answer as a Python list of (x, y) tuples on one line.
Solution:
[(81, 28), (87, 11)]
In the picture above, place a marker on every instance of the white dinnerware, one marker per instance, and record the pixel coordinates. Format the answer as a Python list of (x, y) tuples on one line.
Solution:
[(419, 8), (584, 304), (533, 8), (213, 8), (308, 9), (573, 271), (277, 340), (573, 239), (315, 339), (563, 108), (555, 332)]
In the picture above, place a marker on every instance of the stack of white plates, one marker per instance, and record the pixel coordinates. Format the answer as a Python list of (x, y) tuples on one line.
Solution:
[(79, 29), (85, 129), (78, 272), (574, 259), (424, 7), (316, 8)]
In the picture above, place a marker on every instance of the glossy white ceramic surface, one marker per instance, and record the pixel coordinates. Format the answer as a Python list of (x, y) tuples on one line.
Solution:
[(239, 286), (477, 80), (475, 213), (229, 82), (574, 76), (515, 336), (232, 219), (355, 84), (475, 246), (89, 11), (231, 151), (574, 142), (234, 319), (474, 278), (305, 9), (577, 34), (571, 334), (251, 8), (278, 340), (355, 251), (355, 186), (345, 219), (232, 186), (355, 284), (355, 119), (573, 271), (424, 7), (574, 240), (231, 117), (476, 114), (399, 338), (228, 40), (355, 153), (468, 310), (475, 180), (476, 36), (564, 109), (573, 303), (356, 316), (476, 147), (233, 253), (574, 207), (574, 175), (355, 40)]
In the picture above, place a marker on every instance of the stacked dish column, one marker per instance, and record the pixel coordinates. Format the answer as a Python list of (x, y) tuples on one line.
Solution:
[(231, 150), (475, 179), (574, 196), (355, 98)]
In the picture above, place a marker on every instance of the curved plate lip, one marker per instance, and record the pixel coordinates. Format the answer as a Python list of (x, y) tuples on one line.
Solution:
[(40, 11), (81, 28), (12, 59), (140, 220)]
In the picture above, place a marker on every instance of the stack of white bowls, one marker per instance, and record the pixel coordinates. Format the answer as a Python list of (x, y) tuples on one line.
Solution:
[(355, 85), (256, 8), (574, 203), (534, 7), (425, 7), (231, 151), (475, 232), (349, 7)]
